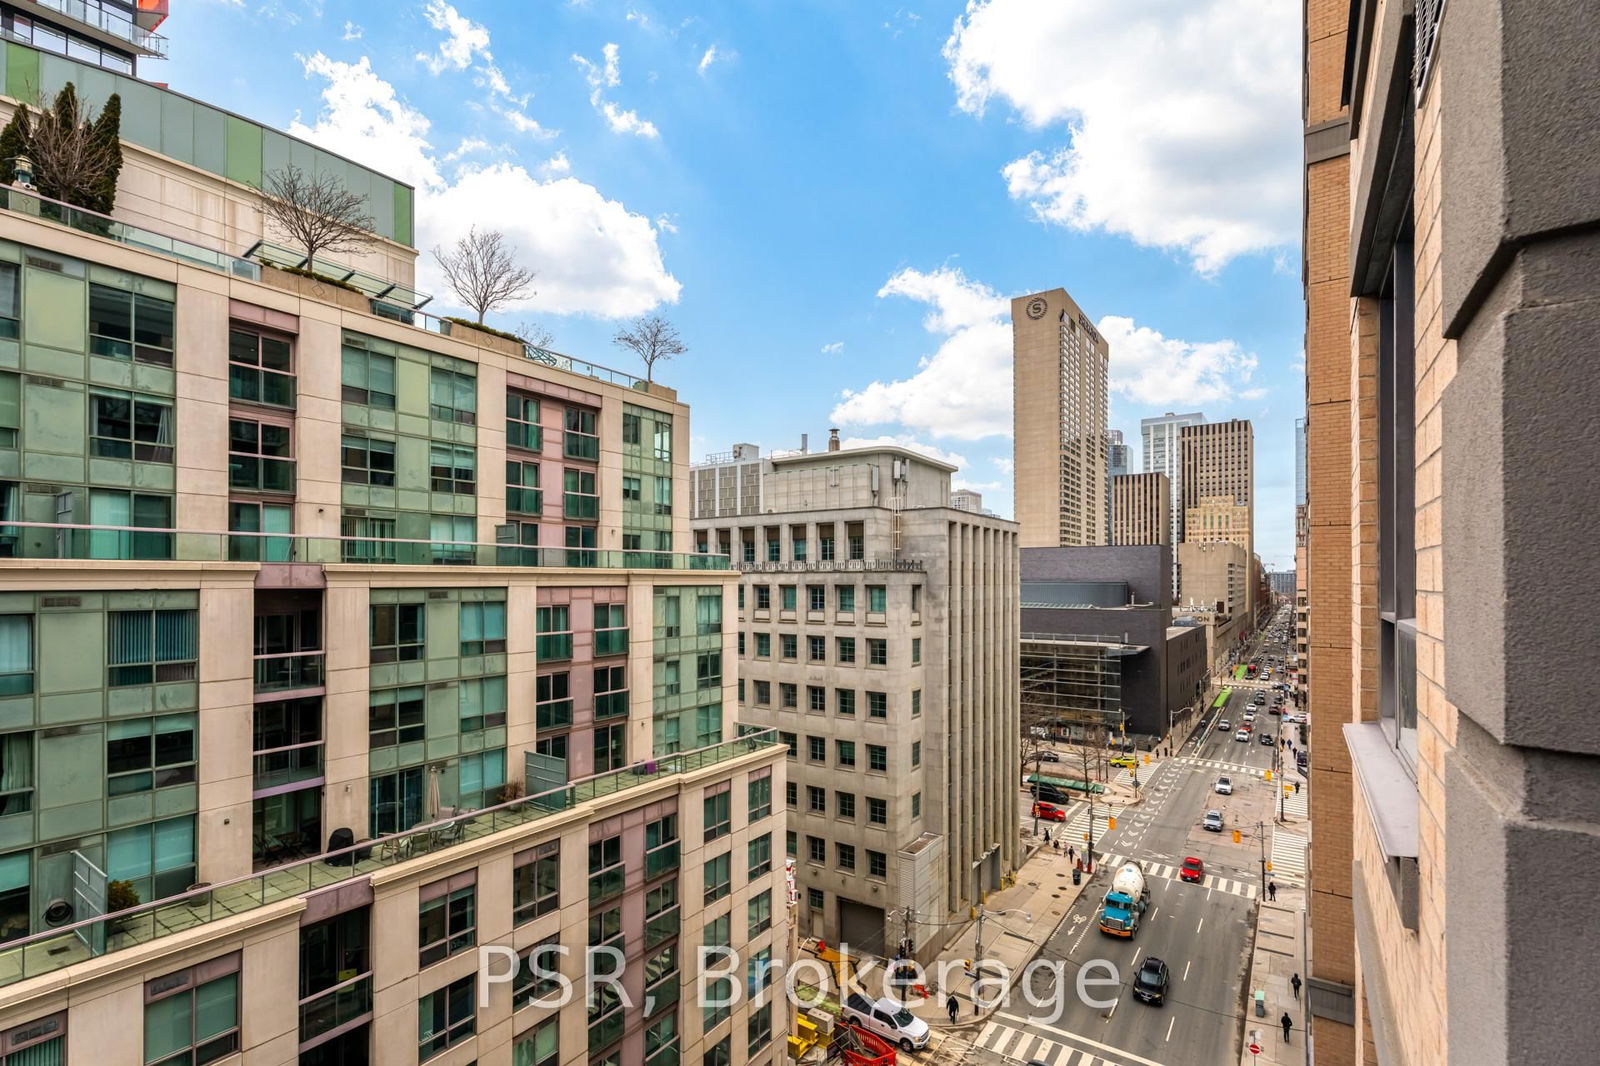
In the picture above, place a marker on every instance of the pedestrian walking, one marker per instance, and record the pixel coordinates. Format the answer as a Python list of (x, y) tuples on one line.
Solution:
[(1297, 788), (1288, 1024), (1071, 853), (1272, 891), (952, 1007), (1047, 837), (1294, 983)]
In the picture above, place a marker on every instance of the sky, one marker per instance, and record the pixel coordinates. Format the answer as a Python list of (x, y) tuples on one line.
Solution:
[(835, 200)]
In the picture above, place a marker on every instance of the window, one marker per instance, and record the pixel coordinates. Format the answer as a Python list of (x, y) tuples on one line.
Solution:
[(759, 971), (741, 597), (759, 913), (788, 695), (847, 856), (536, 882), (610, 629), (789, 646), (857, 546), (452, 537), (16, 797), (847, 649), (825, 547), (916, 651), (158, 858), (816, 598), (16, 654), (816, 799), (718, 815), (758, 856), (916, 599), (759, 797), (483, 628), (149, 753), (662, 440), (817, 649), (741, 654), (847, 700), (522, 423), (790, 843), (816, 699), (482, 703), (718, 881), (791, 793), (630, 429), (554, 628), (552, 694), (916, 805), (817, 849), (916, 753), (877, 599), (878, 758), (446, 1017), (763, 693), (447, 920), (453, 396), (661, 1041), (453, 468), (763, 597), (708, 670), (845, 803), (630, 488), (877, 811), (578, 495), (130, 325), (367, 461), (814, 898), (877, 705), (720, 1053), (846, 597), (397, 632), (708, 614), (663, 495), (540, 1046), (579, 440), (145, 647), (125, 425), (718, 931), (817, 749), (916, 702), (877, 653), (259, 456), (763, 645), (1397, 577), (877, 864), (845, 752), (367, 378), (610, 692), (774, 550), (396, 716), (192, 1016), (718, 1004), (797, 544), (787, 603)]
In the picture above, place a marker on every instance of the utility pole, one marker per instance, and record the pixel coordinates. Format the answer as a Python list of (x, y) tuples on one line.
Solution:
[(1261, 831), (1036, 773)]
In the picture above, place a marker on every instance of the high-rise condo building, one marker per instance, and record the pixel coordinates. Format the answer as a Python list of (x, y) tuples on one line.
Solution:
[(1060, 414), (1140, 509), (878, 632), (1163, 453), (340, 643), (110, 35), (1450, 387)]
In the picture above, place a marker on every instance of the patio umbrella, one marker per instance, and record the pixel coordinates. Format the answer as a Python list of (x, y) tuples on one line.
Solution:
[(430, 801)]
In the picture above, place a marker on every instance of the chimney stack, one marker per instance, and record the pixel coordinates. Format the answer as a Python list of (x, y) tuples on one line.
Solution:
[(833, 440), (805, 443)]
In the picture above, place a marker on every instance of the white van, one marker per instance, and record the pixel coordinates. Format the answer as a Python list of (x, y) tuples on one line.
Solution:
[(887, 1019)]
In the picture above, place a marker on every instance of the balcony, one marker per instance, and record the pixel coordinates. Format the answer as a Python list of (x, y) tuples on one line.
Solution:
[(41, 207), (52, 951), (607, 884), (831, 566), (610, 642), (661, 928), (288, 671), (280, 767), (66, 540), (577, 445), (552, 646), (580, 505), (662, 860), (110, 22), (333, 1007)]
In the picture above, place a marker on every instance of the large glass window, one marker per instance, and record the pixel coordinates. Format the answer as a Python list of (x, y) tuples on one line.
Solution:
[(483, 703), (367, 461), (523, 495), (453, 396), (192, 1018), (480, 778), (453, 468), (148, 753), (446, 1017), (109, 507), (552, 701), (128, 325), (259, 456), (397, 632), (367, 378), (396, 716), (157, 858), (125, 425), (260, 368), (16, 654), (145, 647), (536, 885), (16, 787), (540, 1046), (483, 628), (522, 423), (1397, 504), (718, 815), (447, 921), (579, 439)]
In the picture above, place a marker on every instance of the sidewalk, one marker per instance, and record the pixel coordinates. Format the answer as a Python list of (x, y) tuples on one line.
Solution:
[(1279, 953)]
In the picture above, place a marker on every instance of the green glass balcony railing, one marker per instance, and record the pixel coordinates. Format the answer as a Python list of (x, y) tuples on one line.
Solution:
[(260, 475), (580, 505), (611, 642), (58, 540), (553, 715), (661, 928), (607, 884), (524, 435), (550, 646), (287, 766), (275, 673), (662, 860), (577, 445), (524, 501), (99, 935), (329, 1009), (609, 705)]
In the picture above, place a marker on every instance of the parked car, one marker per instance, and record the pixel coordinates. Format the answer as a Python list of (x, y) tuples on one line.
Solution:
[(1224, 786), (1192, 870), (1049, 812), (1150, 983), (1212, 821), (887, 1019)]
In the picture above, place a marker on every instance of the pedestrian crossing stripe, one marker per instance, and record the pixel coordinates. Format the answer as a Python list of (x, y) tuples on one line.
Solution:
[(1231, 767), (1170, 873), (1297, 804), (1289, 857), (1021, 1045)]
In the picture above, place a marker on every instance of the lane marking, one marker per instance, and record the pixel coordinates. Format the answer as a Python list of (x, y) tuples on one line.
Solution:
[(1197, 928), (1186, 969), (1170, 1024)]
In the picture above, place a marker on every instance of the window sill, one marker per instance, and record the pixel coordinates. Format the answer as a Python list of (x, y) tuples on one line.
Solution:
[(1394, 808)]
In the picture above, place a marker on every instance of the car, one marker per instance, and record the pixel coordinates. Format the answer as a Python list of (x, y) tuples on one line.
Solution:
[(1150, 983), (1224, 785), (1249, 716), (1268, 738), (1192, 870), (1277, 708), (887, 1019), (1212, 821), (1242, 736), (1047, 756), (1049, 812), (1224, 725), (1247, 727), (1127, 762)]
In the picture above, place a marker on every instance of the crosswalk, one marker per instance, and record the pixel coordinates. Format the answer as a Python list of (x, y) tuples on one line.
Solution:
[(1288, 856), (1040, 1043), (1243, 889), (1223, 767), (1297, 804), (1077, 823)]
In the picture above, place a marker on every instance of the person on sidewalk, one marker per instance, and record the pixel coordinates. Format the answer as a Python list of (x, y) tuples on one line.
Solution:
[(1071, 854), (1297, 788), (1294, 983), (1288, 1024), (1047, 837), (952, 1007), (1272, 891)]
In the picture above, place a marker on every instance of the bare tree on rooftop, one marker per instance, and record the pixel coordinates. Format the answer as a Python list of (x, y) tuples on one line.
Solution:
[(653, 339), (482, 271), (535, 335), (316, 212)]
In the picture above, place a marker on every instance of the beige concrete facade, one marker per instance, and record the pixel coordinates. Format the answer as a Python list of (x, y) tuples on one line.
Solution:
[(1214, 577), (878, 628), (1060, 412), (1140, 509)]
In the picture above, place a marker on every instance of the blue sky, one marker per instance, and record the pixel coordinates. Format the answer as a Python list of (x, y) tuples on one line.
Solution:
[(834, 200)]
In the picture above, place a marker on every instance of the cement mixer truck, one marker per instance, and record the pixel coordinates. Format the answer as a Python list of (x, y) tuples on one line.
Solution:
[(1126, 903)]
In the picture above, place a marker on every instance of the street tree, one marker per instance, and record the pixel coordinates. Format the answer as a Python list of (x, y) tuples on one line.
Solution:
[(316, 212), (481, 269), (653, 339)]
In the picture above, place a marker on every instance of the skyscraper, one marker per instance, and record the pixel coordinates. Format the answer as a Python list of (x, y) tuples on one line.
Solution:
[(1139, 509), (1218, 470), (1060, 413), (1159, 437)]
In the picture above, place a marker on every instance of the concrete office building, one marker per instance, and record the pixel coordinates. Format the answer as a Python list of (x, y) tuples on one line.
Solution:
[(1218, 460), (878, 632), (1452, 304), (727, 484), (1163, 453), (1282, 583), (288, 567), (1117, 454), (1060, 409), (1214, 576), (1139, 509)]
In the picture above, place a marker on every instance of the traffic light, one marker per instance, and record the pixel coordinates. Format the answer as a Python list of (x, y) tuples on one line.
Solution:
[(1111, 823), (1269, 866), (1147, 758), (1269, 775), (1236, 836)]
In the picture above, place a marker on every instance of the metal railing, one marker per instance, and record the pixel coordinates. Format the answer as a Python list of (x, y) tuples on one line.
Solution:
[(109, 22), (68, 944), (807, 566), (68, 540)]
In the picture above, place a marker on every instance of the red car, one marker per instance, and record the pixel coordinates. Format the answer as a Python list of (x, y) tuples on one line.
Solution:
[(1192, 870), (1049, 812)]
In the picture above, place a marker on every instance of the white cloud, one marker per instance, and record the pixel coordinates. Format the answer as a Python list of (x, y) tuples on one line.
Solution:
[(963, 390), (665, 224), (592, 254), (1181, 116), (523, 123), (910, 444), (608, 75), (1149, 368), (1005, 464), (463, 39), (555, 166), (711, 56), (833, 348), (468, 146), (352, 32), (978, 486)]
